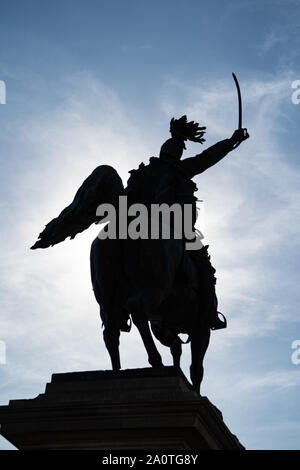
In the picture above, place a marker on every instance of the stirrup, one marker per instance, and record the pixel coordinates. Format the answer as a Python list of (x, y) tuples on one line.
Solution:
[(219, 323)]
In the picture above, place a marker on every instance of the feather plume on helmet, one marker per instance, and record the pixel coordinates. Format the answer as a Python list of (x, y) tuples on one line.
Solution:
[(181, 130)]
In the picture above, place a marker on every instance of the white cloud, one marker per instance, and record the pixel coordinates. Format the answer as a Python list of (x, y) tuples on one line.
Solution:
[(275, 380), (272, 39)]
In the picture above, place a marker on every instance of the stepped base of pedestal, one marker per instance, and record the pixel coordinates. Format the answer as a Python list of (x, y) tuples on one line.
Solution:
[(131, 409)]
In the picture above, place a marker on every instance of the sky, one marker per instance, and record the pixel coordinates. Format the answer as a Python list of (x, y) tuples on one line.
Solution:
[(92, 82)]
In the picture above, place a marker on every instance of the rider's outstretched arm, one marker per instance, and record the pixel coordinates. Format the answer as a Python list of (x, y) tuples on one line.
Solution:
[(209, 157)]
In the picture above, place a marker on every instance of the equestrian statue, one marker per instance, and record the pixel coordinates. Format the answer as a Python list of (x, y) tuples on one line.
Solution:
[(165, 285)]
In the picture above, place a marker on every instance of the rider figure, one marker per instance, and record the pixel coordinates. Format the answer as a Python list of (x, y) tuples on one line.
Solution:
[(168, 179)]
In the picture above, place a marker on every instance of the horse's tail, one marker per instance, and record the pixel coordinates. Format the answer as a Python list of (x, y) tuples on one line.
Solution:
[(104, 185)]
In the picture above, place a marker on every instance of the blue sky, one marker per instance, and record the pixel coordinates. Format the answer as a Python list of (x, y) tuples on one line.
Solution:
[(92, 82)]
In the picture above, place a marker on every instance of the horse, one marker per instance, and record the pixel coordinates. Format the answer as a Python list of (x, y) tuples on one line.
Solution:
[(175, 294)]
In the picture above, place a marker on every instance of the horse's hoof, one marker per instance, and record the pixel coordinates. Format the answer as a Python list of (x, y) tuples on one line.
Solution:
[(156, 363), (156, 366)]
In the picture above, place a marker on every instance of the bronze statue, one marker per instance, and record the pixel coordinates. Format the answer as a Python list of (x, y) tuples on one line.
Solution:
[(146, 279)]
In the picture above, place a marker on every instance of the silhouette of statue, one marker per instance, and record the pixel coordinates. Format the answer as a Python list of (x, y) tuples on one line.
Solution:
[(150, 280)]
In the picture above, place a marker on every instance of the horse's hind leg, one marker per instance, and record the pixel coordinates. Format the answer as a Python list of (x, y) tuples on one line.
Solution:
[(176, 351), (111, 335), (111, 339), (109, 292), (199, 345), (154, 358)]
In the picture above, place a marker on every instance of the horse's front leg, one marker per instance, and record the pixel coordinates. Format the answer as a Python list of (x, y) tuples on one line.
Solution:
[(154, 358), (199, 345), (170, 339)]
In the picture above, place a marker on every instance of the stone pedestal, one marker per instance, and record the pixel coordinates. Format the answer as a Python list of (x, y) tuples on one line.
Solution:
[(131, 409)]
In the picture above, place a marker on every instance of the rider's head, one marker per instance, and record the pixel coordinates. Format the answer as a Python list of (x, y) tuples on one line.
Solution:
[(181, 130), (172, 149)]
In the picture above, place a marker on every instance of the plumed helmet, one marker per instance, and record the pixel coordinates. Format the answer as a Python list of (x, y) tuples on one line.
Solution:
[(181, 130), (184, 130)]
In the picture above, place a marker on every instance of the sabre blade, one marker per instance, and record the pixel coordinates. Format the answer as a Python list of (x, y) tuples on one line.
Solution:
[(239, 100)]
